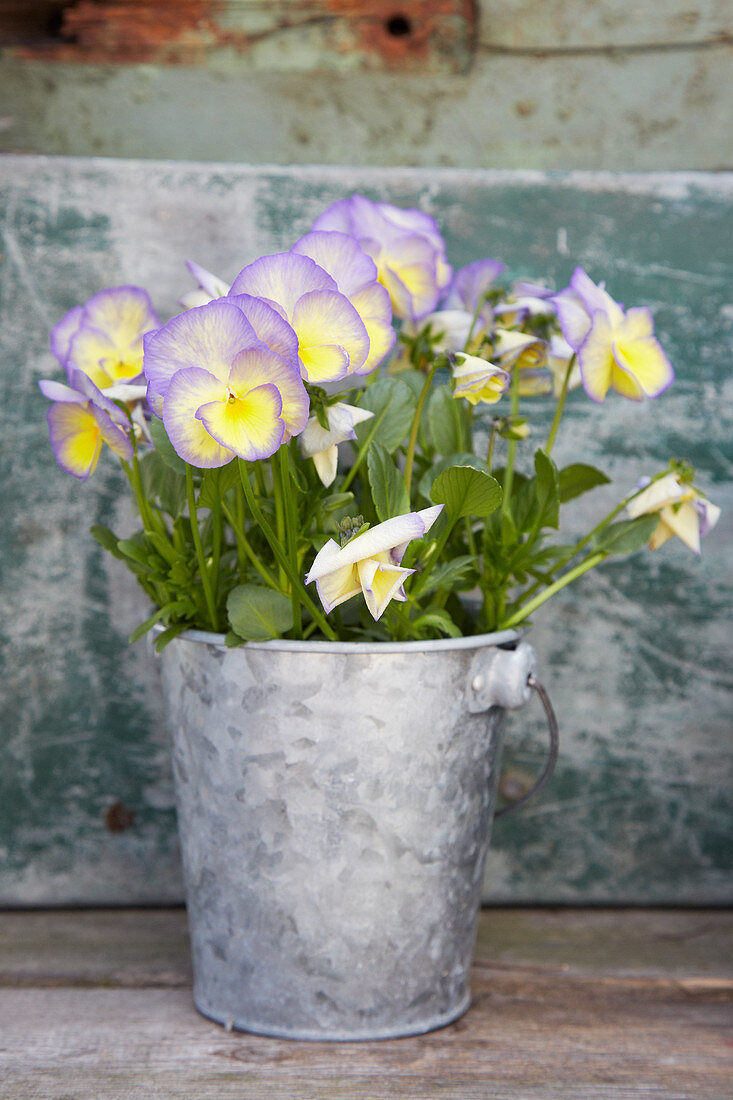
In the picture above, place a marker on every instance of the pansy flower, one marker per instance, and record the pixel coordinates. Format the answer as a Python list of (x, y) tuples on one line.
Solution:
[(477, 380), (406, 246), (220, 389), (370, 563), (210, 287), (616, 349), (356, 277), (104, 337), (321, 444), (682, 511), (80, 420), (332, 339)]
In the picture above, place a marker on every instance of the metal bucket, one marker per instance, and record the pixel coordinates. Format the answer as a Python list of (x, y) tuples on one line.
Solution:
[(334, 803)]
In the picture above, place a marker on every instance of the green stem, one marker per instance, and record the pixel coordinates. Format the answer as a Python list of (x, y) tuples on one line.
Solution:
[(481, 303), (527, 609), (492, 443), (216, 546), (412, 444), (560, 405), (582, 543), (437, 551), (204, 572), (244, 548), (509, 472), (282, 558), (291, 528)]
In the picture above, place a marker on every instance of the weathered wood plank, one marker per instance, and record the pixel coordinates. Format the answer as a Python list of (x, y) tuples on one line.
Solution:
[(525, 1035), (431, 36), (616, 24), (568, 1005), (149, 947)]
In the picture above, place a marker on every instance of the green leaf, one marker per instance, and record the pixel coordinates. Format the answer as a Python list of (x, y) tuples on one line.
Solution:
[(163, 483), (164, 447), (426, 481), (298, 477), (393, 405), (216, 483), (547, 489), (108, 539), (257, 613), (232, 640), (466, 492), (337, 500), (168, 635), (445, 422), (134, 551), (166, 550), (449, 573), (578, 479), (148, 624), (627, 536), (439, 620), (387, 484)]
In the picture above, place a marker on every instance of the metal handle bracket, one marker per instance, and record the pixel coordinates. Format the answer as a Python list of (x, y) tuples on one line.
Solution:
[(535, 685)]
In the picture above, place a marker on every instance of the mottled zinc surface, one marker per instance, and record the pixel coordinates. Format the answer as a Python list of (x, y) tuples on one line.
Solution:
[(335, 820), (637, 659)]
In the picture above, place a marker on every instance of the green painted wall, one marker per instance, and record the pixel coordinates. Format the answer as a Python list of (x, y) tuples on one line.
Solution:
[(637, 659)]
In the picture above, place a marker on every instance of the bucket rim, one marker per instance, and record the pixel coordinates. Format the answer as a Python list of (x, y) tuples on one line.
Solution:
[(323, 645)]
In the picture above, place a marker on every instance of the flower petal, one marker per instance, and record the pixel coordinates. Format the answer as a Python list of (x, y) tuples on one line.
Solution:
[(326, 464), (57, 391), (188, 390), (283, 278), (595, 298), (75, 438), (340, 255), (470, 284), (573, 317), (259, 367), (269, 325), (373, 306), (595, 358), (393, 533), (63, 332), (206, 338), (328, 329), (250, 425), (638, 354), (381, 582)]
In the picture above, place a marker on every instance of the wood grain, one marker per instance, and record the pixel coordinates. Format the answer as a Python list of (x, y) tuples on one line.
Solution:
[(620, 1019)]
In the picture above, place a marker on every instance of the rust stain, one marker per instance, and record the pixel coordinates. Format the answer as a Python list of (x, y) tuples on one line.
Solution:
[(403, 35), (119, 817), (382, 33), (129, 32)]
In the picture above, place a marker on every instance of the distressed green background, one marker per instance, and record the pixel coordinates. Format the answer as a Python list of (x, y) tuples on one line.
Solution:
[(637, 659)]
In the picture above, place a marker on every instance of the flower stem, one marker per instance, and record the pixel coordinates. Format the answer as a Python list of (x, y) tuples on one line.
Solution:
[(509, 472), (412, 444), (203, 570), (527, 609), (282, 558), (244, 549), (282, 466), (492, 442), (560, 406)]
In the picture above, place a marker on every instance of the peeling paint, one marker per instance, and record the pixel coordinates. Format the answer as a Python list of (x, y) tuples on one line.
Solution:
[(431, 36)]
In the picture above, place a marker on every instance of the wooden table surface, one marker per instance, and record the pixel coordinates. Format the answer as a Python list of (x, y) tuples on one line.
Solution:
[(586, 1004)]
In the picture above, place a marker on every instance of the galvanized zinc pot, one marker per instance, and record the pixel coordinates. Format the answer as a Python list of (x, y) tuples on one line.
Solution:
[(335, 802)]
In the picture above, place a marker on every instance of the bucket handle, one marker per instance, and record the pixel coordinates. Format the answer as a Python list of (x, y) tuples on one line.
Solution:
[(552, 726)]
